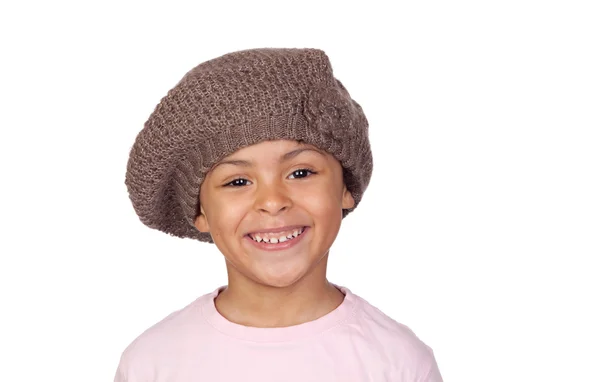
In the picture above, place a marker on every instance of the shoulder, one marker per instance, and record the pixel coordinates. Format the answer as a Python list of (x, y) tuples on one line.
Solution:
[(162, 342), (393, 342), (387, 331)]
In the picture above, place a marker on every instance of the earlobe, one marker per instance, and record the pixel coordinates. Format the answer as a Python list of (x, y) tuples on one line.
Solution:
[(201, 222), (347, 199)]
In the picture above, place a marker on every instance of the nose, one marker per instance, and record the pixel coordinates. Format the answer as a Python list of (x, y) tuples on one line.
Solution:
[(272, 198)]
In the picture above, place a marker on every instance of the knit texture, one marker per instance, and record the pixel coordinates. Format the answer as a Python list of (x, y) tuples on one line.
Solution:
[(237, 100)]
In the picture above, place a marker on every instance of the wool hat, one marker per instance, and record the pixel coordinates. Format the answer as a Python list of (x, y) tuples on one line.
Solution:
[(237, 100)]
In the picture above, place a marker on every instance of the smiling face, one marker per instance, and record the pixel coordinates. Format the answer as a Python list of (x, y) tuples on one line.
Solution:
[(273, 210)]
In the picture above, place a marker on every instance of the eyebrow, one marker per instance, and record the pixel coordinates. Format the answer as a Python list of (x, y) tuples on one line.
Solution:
[(284, 157)]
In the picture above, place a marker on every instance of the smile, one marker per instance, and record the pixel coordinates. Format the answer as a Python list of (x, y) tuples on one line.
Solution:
[(277, 240)]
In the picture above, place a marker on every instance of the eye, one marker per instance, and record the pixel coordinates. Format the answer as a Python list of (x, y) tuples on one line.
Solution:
[(302, 173), (237, 183)]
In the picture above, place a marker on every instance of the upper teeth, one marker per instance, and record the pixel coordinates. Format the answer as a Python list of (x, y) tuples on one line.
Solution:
[(275, 238)]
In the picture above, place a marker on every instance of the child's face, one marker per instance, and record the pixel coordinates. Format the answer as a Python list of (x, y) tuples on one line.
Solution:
[(270, 186)]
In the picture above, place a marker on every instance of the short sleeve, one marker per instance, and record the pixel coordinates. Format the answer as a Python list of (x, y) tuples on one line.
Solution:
[(433, 374), (120, 375), (125, 372)]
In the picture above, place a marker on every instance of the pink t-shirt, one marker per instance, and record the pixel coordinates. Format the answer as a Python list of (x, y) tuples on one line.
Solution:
[(355, 342)]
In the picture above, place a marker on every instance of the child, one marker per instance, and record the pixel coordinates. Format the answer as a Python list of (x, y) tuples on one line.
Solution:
[(263, 152)]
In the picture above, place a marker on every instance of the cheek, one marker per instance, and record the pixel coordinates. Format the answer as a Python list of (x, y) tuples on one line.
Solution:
[(321, 200), (225, 215)]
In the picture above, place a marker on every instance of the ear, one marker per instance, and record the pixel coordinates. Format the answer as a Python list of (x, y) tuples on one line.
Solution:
[(347, 199), (201, 222)]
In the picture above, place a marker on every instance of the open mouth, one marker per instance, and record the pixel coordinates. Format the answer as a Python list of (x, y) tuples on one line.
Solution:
[(277, 240)]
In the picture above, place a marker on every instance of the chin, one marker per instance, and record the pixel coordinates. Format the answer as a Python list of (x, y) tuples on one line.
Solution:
[(280, 278)]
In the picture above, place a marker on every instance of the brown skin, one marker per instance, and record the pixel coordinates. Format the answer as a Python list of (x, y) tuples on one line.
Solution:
[(288, 287)]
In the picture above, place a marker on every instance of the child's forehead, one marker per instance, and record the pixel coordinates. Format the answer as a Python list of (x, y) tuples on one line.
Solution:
[(273, 152), (273, 148)]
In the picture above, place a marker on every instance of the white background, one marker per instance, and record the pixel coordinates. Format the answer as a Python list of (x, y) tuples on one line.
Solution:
[(480, 229)]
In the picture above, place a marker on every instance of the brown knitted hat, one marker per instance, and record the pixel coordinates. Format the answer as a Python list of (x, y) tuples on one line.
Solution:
[(233, 101)]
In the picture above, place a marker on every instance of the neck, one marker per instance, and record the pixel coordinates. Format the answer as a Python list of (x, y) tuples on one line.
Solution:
[(249, 303)]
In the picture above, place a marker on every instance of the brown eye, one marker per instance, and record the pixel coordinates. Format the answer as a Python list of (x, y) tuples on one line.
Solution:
[(237, 183), (302, 173)]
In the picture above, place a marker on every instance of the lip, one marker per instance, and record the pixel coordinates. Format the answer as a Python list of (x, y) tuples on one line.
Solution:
[(279, 246)]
